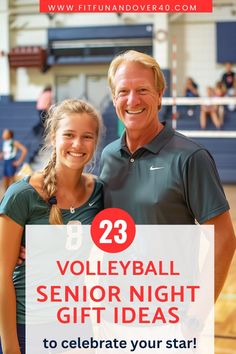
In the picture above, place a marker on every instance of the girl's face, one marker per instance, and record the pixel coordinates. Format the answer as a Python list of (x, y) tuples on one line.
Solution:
[(75, 141), (6, 134)]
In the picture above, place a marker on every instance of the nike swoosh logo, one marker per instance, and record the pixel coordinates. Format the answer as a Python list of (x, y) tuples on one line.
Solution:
[(91, 204), (155, 168)]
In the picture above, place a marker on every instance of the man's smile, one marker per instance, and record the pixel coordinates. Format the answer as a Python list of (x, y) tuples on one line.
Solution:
[(129, 111)]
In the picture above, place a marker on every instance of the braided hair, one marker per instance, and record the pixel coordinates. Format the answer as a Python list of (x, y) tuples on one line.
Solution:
[(55, 114)]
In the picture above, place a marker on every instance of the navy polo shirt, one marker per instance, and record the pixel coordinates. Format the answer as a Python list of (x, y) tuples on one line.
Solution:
[(171, 180)]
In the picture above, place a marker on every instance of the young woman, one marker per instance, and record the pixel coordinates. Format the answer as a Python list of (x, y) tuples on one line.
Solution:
[(58, 194), (210, 110), (10, 147)]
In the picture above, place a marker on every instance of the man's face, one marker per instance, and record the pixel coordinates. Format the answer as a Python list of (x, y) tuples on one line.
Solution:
[(136, 99)]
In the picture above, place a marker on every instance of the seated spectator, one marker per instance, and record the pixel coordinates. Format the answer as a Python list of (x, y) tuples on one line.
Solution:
[(228, 77), (220, 91), (209, 110), (232, 93), (190, 90)]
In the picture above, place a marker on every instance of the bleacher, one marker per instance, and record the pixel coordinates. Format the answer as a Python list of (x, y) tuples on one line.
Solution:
[(22, 116), (192, 122), (221, 143)]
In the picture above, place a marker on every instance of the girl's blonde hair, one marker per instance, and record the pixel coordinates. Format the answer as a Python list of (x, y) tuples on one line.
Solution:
[(55, 114)]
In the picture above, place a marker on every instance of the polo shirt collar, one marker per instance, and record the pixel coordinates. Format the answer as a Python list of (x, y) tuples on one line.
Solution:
[(156, 144)]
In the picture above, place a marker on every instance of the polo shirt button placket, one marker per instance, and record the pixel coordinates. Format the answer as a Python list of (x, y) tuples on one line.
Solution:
[(132, 159)]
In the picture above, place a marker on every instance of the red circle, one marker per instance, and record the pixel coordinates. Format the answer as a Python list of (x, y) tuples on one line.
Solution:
[(113, 230)]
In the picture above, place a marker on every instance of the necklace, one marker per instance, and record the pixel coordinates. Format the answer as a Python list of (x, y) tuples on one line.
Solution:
[(72, 202), (72, 210)]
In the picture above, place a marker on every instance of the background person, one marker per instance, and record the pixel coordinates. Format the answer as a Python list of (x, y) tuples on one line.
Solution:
[(43, 104), (190, 90), (232, 93), (220, 91), (210, 110), (58, 194), (10, 148), (228, 76)]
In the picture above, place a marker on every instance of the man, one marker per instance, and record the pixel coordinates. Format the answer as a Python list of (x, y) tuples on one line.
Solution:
[(154, 173), (228, 77)]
